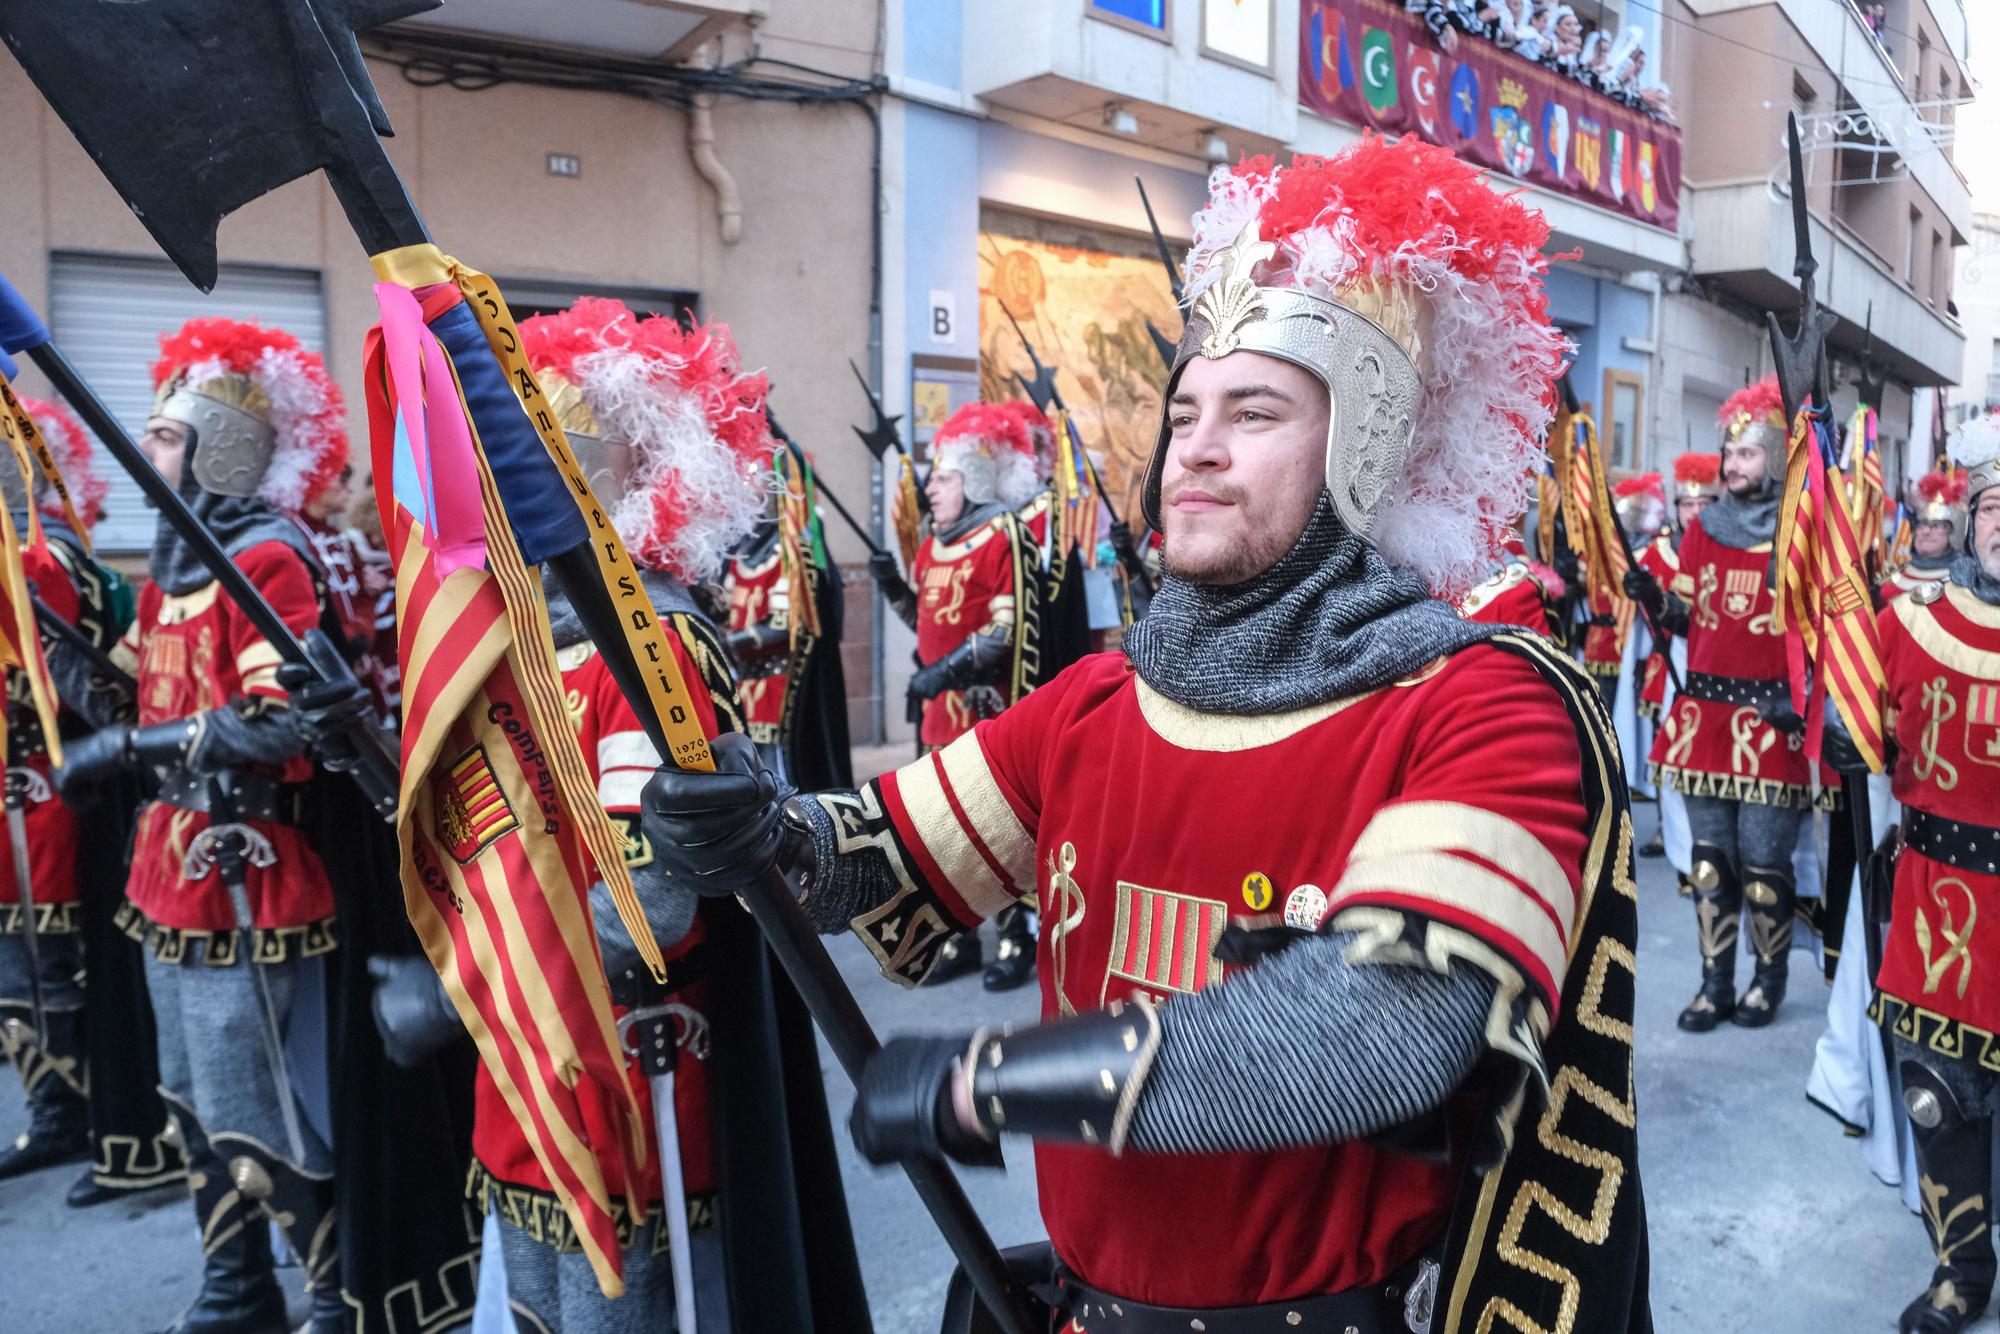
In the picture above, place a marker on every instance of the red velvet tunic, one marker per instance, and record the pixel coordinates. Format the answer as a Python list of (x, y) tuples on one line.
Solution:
[(962, 588), (1941, 657), (759, 594), (1514, 596), (1144, 828), (1710, 749), (621, 758), (1663, 562), (199, 652), (1604, 645), (52, 827)]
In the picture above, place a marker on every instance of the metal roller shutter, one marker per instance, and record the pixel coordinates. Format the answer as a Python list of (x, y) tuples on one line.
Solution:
[(108, 312)]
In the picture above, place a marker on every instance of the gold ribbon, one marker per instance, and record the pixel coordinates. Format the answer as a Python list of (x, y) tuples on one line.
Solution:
[(19, 427)]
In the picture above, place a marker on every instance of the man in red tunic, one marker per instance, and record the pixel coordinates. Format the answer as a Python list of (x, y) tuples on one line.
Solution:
[(1936, 991), (1732, 746), (49, 1050), (1332, 879), (1519, 591), (672, 433), (1937, 532), (976, 609), (248, 426)]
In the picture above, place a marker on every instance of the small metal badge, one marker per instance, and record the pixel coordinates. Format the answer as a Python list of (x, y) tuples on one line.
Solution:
[(1422, 1296), (1305, 908), (1257, 891)]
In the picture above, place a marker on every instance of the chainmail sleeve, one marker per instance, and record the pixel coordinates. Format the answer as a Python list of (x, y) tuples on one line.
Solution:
[(1307, 1048), (849, 877), (251, 730), (669, 911)]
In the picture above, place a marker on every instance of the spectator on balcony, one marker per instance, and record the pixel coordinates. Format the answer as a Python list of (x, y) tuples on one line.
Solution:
[(1535, 40)]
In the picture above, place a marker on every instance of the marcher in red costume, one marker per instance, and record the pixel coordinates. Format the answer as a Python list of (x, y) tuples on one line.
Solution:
[(249, 427), (1937, 531), (48, 1050), (674, 438), (1376, 856), (1938, 991), (1520, 591), (1732, 745), (977, 607)]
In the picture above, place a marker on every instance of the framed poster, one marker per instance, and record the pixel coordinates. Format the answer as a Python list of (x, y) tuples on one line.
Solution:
[(1146, 16)]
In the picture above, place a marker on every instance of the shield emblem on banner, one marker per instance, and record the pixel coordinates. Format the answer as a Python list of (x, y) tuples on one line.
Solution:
[(1619, 144), (1589, 151), (1378, 70), (1649, 198), (1514, 140), (1982, 724), (1465, 102), (1424, 90), (1555, 139)]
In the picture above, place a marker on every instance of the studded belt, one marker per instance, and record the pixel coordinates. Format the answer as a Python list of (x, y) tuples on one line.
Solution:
[(635, 986), (1397, 1305), (1734, 689), (1969, 847), (254, 796)]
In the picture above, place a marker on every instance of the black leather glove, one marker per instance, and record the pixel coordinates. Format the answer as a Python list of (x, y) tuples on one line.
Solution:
[(901, 597), (902, 1106), (1781, 715), (1838, 751), (1642, 588), (932, 681), (412, 1012), (89, 759), (327, 711), (721, 830)]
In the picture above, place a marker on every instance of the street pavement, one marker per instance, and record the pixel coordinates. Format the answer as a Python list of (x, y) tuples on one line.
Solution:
[(1763, 1219)]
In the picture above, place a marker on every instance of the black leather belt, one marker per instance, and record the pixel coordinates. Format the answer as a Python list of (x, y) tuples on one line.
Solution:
[(1388, 1307), (254, 796), (1735, 689), (1969, 847), (635, 987)]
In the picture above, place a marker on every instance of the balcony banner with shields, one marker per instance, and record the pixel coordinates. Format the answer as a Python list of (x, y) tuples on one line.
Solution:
[(1371, 63)]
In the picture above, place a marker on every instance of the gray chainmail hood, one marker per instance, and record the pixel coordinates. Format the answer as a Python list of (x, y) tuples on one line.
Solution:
[(1329, 620), (1969, 574), (238, 523), (1744, 523)]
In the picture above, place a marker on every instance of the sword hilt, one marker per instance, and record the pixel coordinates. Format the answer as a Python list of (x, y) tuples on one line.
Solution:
[(648, 1036)]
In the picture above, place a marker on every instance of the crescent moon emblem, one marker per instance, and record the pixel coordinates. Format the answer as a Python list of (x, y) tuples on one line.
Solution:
[(1375, 76)]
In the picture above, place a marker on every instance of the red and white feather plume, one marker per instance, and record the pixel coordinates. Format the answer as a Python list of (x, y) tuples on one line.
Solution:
[(1758, 404), (993, 448), (1041, 431), (1412, 214), (306, 413), (1697, 472), (695, 420), (70, 444)]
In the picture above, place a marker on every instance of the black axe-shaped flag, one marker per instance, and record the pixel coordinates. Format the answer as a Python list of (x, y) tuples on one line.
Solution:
[(194, 108), (1042, 392), (1872, 379), (1801, 356), (1161, 343), (882, 436)]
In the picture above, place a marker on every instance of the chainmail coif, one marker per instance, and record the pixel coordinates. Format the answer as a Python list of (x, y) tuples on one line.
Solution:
[(1329, 620)]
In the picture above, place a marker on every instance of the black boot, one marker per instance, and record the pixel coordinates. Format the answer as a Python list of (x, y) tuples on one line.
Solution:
[(1955, 1163), (52, 1072), (1014, 961), (959, 956), (1718, 902), (1656, 846), (239, 1292), (1772, 901), (302, 1208), (87, 1190)]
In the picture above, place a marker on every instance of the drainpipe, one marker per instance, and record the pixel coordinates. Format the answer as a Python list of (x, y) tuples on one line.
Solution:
[(701, 148)]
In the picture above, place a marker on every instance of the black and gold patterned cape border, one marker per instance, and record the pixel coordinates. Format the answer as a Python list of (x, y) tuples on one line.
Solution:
[(51, 919), (540, 1214), (169, 944), (1731, 787), (1935, 1032), (1553, 1239)]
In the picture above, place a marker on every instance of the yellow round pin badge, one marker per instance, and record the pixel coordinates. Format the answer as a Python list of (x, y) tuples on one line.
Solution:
[(1257, 891)]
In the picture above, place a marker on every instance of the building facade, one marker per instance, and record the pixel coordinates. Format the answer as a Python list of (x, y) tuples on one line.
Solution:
[(750, 204)]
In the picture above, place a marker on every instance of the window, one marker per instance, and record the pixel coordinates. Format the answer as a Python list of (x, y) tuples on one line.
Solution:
[(1147, 16), (1238, 31), (1803, 96), (1910, 256), (108, 310), (1940, 272), (1993, 375), (1624, 399)]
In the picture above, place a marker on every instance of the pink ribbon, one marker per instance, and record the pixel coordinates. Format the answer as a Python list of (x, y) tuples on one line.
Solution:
[(435, 424)]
